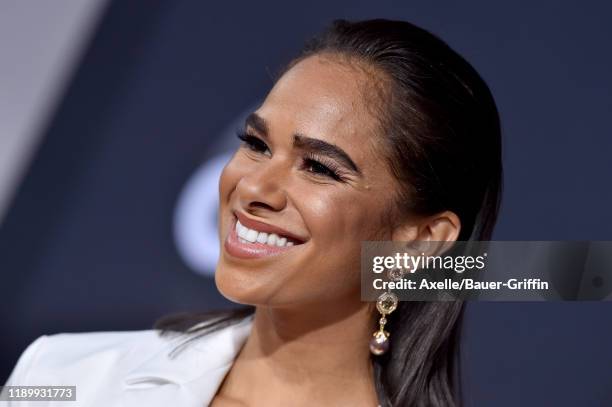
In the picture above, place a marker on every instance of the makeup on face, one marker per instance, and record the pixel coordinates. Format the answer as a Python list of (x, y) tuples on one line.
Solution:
[(293, 209), (327, 157)]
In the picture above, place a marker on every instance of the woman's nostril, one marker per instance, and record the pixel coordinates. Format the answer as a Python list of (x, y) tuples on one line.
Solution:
[(259, 205)]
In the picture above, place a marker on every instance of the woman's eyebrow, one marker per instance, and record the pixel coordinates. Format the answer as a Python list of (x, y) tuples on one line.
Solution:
[(258, 123), (306, 143), (322, 147)]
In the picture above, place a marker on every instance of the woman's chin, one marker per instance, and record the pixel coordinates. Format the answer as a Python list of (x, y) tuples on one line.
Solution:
[(238, 288)]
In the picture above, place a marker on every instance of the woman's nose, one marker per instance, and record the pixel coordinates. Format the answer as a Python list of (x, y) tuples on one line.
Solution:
[(262, 189)]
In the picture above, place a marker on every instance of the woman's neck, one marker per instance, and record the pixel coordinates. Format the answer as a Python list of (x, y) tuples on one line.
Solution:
[(305, 357)]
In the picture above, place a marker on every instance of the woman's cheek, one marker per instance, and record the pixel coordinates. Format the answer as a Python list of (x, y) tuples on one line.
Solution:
[(231, 174), (322, 215), (329, 217)]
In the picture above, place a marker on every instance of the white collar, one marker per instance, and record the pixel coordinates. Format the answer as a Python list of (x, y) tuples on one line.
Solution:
[(193, 375)]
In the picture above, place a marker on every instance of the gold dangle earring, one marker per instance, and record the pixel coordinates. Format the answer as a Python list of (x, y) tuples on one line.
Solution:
[(386, 304)]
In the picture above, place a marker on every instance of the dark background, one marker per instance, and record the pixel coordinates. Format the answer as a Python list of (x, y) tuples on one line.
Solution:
[(88, 242)]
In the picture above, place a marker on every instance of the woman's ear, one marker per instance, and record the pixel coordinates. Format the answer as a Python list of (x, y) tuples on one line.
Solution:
[(438, 229), (443, 226)]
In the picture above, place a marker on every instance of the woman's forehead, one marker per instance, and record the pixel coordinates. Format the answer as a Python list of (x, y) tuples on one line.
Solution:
[(323, 98)]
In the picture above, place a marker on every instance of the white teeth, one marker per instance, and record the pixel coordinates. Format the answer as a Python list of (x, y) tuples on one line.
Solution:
[(242, 231), (246, 235), (251, 235), (272, 239)]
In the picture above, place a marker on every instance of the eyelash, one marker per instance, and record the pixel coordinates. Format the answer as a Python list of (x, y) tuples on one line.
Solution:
[(327, 169)]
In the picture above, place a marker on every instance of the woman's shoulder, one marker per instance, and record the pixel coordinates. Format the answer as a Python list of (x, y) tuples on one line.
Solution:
[(99, 350), (106, 366)]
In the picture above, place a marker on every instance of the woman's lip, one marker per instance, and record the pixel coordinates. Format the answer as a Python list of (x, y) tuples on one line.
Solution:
[(264, 227), (250, 250)]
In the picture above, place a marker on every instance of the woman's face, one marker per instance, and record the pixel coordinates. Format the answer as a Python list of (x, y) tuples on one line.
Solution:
[(308, 171)]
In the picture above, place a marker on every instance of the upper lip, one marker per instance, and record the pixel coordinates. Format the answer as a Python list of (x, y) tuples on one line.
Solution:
[(264, 227)]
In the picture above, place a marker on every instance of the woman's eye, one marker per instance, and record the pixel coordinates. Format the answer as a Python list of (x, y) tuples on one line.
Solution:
[(253, 143), (317, 168)]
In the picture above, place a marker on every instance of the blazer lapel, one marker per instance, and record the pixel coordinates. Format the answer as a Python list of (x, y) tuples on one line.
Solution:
[(192, 376)]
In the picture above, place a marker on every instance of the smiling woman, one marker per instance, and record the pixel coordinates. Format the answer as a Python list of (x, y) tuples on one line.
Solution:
[(376, 131)]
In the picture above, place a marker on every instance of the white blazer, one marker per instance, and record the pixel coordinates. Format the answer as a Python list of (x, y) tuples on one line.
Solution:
[(131, 368)]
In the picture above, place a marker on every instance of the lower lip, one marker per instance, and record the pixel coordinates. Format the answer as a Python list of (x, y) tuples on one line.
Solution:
[(250, 250)]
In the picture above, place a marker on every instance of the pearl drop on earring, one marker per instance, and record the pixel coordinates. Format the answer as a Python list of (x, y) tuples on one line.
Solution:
[(386, 304)]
